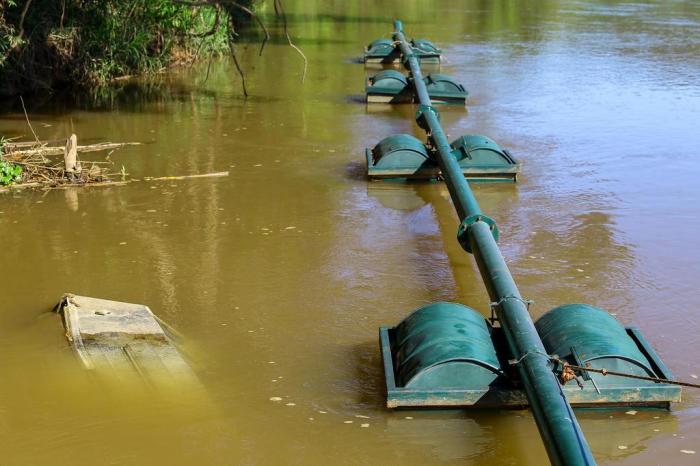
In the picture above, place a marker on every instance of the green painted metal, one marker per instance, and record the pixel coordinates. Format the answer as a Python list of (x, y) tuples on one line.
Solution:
[(477, 157), (583, 334), (403, 156), (447, 355), (381, 51), (400, 153), (560, 431), (444, 89), (426, 50), (391, 86), (504, 392), (384, 51), (444, 344), (478, 154)]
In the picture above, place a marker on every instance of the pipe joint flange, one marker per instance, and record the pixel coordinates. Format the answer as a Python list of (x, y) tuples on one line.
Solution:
[(463, 230), (421, 118)]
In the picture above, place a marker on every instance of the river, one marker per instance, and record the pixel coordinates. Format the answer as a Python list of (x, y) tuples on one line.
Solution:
[(278, 276)]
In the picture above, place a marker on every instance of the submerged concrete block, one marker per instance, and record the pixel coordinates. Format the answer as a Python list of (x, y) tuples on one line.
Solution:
[(122, 338)]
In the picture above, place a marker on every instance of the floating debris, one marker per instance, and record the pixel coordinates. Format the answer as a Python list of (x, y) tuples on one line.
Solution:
[(184, 177), (122, 337), (622, 447), (364, 425), (688, 452), (347, 422), (275, 398), (631, 413), (291, 404), (38, 166)]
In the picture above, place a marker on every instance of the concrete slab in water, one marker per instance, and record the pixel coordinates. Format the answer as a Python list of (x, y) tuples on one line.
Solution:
[(121, 337)]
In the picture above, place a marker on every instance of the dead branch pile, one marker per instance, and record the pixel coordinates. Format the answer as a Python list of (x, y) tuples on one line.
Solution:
[(60, 166)]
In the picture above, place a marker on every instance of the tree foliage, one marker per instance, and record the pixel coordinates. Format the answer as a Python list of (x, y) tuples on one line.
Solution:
[(48, 44), (9, 172)]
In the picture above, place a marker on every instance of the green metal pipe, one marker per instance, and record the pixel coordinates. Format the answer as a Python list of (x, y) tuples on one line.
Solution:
[(560, 431), (412, 63)]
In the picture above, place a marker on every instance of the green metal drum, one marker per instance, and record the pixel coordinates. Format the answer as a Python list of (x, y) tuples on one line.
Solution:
[(481, 157), (445, 354), (586, 335), (384, 51), (381, 51), (389, 86), (444, 345), (426, 51), (403, 156), (444, 89), (400, 155)]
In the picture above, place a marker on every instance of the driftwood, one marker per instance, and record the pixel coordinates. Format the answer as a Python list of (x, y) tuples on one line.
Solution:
[(18, 148), (184, 177), (70, 156), (53, 185)]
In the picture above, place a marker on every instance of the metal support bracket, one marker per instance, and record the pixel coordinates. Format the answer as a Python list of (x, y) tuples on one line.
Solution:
[(463, 230), (420, 116)]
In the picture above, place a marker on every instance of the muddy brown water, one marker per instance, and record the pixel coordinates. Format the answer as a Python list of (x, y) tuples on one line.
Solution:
[(279, 275)]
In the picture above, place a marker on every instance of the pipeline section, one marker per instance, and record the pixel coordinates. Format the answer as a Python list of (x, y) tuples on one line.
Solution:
[(557, 424)]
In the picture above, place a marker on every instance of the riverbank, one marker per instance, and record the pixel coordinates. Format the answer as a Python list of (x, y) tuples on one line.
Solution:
[(47, 45)]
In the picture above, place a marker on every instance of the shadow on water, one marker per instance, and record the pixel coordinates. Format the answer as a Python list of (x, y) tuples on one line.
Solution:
[(145, 95), (357, 60), (356, 171), (356, 99), (370, 386), (396, 195), (278, 38), (298, 18)]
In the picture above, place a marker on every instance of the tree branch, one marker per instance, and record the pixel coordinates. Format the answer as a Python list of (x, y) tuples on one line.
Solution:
[(21, 18), (279, 10), (232, 48)]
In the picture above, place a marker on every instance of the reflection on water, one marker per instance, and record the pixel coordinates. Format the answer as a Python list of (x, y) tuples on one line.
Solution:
[(279, 275)]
